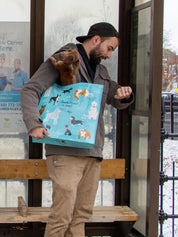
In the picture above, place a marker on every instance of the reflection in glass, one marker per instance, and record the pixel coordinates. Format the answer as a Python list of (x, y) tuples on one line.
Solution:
[(141, 28), (139, 2), (14, 44), (138, 191), (10, 190), (62, 25), (141, 58)]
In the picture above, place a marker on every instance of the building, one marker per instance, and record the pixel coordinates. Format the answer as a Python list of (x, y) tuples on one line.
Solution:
[(170, 67)]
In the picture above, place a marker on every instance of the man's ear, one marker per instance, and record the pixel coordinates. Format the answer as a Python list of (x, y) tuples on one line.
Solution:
[(96, 40)]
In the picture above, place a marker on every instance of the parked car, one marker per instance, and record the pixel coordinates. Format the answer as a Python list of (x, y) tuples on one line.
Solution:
[(169, 100)]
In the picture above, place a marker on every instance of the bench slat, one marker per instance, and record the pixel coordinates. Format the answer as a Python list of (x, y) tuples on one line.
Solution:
[(40, 214), (37, 169)]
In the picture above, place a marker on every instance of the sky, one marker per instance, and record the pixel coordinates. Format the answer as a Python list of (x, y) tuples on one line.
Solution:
[(171, 22)]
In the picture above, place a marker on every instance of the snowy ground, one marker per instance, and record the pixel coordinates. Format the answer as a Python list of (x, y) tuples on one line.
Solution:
[(170, 155)]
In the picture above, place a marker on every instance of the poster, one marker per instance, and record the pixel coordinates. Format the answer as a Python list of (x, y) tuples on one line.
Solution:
[(14, 73)]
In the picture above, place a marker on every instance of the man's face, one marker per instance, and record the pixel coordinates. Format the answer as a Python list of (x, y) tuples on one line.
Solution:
[(16, 64), (104, 49)]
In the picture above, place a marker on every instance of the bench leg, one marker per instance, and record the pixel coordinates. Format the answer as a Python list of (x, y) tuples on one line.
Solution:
[(123, 228), (22, 207)]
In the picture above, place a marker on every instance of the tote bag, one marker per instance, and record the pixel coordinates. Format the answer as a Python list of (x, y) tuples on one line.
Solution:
[(70, 114)]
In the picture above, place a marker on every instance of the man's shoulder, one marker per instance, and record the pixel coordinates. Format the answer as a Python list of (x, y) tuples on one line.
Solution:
[(103, 67), (103, 70)]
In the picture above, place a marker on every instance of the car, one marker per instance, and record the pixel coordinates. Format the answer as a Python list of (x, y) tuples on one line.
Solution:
[(169, 101)]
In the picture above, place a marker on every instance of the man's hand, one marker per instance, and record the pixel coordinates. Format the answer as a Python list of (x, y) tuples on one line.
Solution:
[(123, 92), (38, 133)]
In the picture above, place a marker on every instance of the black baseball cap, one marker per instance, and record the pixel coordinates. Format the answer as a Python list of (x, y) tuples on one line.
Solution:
[(102, 29)]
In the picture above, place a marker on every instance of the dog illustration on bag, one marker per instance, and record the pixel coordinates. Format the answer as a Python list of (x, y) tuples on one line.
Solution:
[(74, 121), (53, 116), (84, 133), (54, 99), (67, 131), (67, 91), (47, 127), (93, 111), (42, 109), (47, 92), (80, 92)]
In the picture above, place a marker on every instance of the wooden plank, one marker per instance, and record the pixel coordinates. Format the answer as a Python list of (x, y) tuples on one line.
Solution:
[(113, 169), (37, 169), (113, 213), (40, 214), (23, 169), (22, 207)]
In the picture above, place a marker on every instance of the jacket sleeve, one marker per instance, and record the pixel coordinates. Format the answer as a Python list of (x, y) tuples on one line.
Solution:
[(118, 104), (31, 93)]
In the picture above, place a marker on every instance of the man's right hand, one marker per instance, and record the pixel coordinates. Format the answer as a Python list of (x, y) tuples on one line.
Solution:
[(38, 133)]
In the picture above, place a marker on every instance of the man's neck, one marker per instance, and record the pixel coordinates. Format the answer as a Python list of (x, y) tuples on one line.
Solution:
[(87, 48), (90, 69), (17, 70)]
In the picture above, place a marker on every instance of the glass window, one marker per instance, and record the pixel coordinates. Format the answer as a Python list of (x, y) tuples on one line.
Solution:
[(141, 59), (14, 72), (139, 2), (140, 119), (139, 151), (62, 25)]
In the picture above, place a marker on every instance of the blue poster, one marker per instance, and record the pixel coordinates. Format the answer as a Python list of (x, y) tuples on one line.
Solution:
[(14, 68)]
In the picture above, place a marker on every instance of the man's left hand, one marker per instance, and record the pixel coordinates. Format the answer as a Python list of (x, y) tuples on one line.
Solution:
[(123, 92)]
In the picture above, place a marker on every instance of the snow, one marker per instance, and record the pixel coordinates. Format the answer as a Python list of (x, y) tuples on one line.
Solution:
[(170, 155)]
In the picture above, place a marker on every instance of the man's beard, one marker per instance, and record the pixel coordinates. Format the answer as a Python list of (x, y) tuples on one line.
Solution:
[(95, 56)]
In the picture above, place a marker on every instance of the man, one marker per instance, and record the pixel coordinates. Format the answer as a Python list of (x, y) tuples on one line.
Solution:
[(4, 72), (75, 172), (20, 77)]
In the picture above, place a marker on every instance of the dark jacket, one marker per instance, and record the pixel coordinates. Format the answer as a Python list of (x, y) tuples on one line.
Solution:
[(44, 77)]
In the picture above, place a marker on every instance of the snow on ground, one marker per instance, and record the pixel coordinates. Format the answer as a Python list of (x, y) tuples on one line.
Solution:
[(170, 155)]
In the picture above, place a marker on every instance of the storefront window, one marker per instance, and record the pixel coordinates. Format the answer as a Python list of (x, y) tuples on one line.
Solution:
[(141, 25), (62, 25), (14, 73)]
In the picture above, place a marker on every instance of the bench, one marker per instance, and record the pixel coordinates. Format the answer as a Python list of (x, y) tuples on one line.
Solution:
[(37, 169)]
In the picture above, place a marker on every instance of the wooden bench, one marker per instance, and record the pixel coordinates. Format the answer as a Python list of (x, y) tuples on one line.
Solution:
[(36, 169)]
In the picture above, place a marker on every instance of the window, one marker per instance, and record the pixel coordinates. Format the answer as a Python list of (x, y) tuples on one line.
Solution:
[(14, 49), (140, 118), (62, 25)]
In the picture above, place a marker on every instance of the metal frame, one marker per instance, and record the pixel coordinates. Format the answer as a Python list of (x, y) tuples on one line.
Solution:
[(123, 117), (155, 125), (36, 58), (164, 178), (155, 112)]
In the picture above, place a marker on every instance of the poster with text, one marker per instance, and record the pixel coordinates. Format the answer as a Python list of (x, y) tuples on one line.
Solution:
[(14, 73)]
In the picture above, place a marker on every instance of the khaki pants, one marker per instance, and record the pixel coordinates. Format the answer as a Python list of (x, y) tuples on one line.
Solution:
[(75, 182)]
